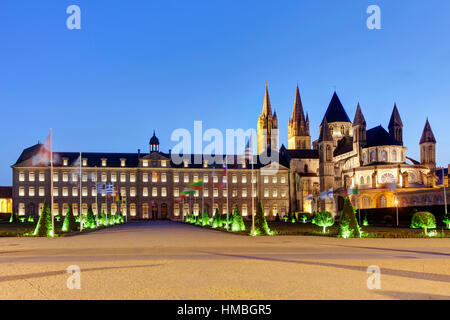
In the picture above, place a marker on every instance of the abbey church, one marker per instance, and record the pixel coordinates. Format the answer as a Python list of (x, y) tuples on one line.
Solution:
[(370, 165)]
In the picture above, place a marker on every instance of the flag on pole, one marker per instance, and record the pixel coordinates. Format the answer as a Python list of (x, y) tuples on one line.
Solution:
[(352, 191), (124, 199), (248, 154), (197, 185), (110, 189), (187, 192), (309, 196), (326, 194), (42, 156)]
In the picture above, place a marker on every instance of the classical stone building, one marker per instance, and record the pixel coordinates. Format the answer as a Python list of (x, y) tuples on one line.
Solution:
[(311, 176)]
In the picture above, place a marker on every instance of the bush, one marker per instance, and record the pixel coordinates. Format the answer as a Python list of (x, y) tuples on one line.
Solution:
[(348, 226), (44, 225), (13, 218), (30, 218), (90, 222), (323, 219), (206, 220), (217, 221), (261, 226), (304, 218), (102, 220), (22, 219), (69, 223), (224, 220), (238, 223), (446, 220), (423, 220), (365, 221), (58, 217)]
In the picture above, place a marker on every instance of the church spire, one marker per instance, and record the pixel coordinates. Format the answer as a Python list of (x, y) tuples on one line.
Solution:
[(267, 108), (297, 113), (396, 125), (359, 117), (427, 134), (325, 134)]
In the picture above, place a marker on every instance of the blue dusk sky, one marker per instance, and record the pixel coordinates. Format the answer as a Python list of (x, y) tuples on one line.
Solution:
[(143, 65)]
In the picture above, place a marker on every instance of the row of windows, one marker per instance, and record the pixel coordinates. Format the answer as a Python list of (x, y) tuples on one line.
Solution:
[(384, 156), (153, 177), (145, 192), (123, 209), (104, 162)]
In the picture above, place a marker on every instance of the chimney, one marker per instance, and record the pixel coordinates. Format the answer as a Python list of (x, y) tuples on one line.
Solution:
[(139, 153)]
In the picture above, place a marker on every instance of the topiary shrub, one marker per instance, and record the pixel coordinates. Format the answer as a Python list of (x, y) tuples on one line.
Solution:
[(217, 221), (446, 220), (199, 220), (22, 219), (206, 220), (323, 219), (285, 218), (365, 221), (261, 226), (348, 226), (44, 225), (13, 218), (69, 223), (58, 218), (423, 220), (30, 218), (238, 223), (90, 222), (303, 218), (102, 219)]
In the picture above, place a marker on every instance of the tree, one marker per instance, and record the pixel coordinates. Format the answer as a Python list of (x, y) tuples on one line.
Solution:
[(69, 223), (237, 223), (217, 221), (261, 226), (304, 218), (90, 223), (323, 219), (30, 218), (44, 225), (446, 220), (348, 226), (423, 220), (102, 219)]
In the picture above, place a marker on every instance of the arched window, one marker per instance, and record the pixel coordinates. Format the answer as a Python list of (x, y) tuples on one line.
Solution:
[(361, 180), (372, 156), (365, 158), (383, 156), (342, 130), (394, 155), (331, 130), (383, 202), (306, 168), (366, 203)]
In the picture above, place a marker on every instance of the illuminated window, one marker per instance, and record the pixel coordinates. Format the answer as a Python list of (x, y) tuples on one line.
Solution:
[(163, 192), (65, 192), (64, 209), (234, 179), (216, 192), (266, 193), (84, 191), (145, 192), (31, 176), (283, 179), (224, 209), (195, 179), (274, 179), (74, 192), (176, 209), (21, 191), (164, 163), (154, 177), (65, 162), (154, 192), (55, 177), (132, 209), (224, 192), (21, 176), (205, 178), (103, 162), (234, 193), (383, 156), (266, 179), (41, 192), (113, 177), (244, 178), (84, 208), (123, 177), (55, 209), (145, 163), (205, 164), (84, 162), (163, 177), (123, 191), (74, 177), (224, 179), (132, 192), (144, 177), (93, 192), (275, 193), (132, 177), (41, 176), (85, 177), (244, 193), (244, 210), (176, 192), (186, 163), (196, 209), (196, 193), (176, 178), (186, 178), (122, 162), (65, 177), (205, 192), (31, 192), (55, 191), (215, 179), (21, 209), (104, 177), (283, 193)]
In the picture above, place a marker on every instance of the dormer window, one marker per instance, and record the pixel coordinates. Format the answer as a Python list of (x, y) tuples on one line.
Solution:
[(65, 162), (163, 163), (145, 163), (186, 163), (84, 162), (205, 163), (103, 162), (122, 162)]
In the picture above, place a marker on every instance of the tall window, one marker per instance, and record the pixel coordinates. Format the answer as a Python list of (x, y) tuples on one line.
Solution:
[(394, 155), (383, 156)]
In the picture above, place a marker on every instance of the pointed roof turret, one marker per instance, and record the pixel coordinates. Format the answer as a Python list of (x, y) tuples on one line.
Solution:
[(427, 134), (154, 140), (297, 113), (335, 111), (359, 117), (307, 117), (395, 118), (267, 109), (325, 134)]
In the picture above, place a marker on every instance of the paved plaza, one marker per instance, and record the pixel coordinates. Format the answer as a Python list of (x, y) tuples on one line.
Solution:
[(168, 260)]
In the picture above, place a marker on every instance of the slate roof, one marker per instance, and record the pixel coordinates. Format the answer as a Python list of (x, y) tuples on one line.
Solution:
[(335, 111), (378, 136), (395, 118), (94, 159), (344, 145), (427, 134), (325, 134)]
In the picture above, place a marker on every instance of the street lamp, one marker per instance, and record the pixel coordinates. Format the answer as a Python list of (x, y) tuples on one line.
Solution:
[(396, 206)]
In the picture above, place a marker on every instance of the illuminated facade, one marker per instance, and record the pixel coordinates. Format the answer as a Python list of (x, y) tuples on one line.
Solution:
[(5, 200)]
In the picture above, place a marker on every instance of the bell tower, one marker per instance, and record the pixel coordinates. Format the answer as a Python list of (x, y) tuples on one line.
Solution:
[(298, 128), (267, 127)]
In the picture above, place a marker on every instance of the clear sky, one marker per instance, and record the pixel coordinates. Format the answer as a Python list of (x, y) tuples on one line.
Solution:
[(141, 65)]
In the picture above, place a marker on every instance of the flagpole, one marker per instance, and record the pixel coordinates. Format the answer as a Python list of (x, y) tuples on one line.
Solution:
[(228, 194), (96, 194), (253, 195), (51, 181), (81, 211), (213, 212), (445, 192)]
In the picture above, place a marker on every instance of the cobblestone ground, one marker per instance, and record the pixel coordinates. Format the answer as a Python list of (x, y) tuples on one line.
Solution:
[(165, 260)]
